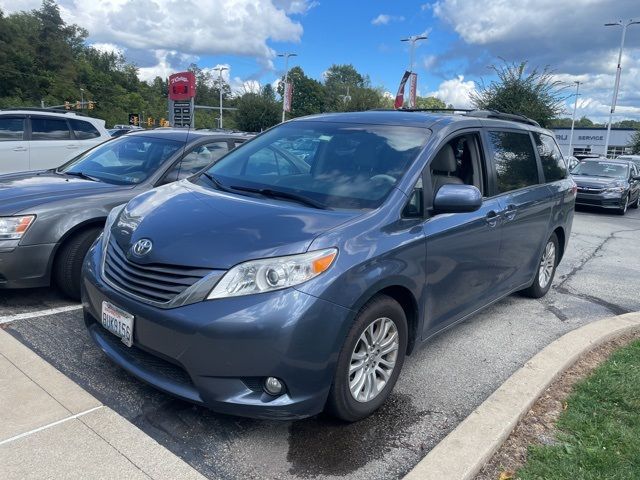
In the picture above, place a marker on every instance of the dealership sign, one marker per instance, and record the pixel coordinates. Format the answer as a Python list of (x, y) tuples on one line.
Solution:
[(182, 86)]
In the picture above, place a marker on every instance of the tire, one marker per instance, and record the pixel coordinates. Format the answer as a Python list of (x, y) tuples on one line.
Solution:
[(68, 262), (636, 204), (342, 403), (622, 210), (542, 283)]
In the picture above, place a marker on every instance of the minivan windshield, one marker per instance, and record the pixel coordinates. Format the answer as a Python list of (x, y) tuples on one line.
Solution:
[(322, 164), (126, 160), (601, 169)]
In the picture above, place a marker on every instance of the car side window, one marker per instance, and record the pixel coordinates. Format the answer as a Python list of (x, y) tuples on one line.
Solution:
[(415, 206), (196, 160), (553, 165), (514, 160), (83, 130), (11, 129), (49, 129)]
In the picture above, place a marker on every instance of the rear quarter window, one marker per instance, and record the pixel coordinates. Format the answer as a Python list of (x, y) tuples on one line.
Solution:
[(553, 165), (514, 159), (83, 130)]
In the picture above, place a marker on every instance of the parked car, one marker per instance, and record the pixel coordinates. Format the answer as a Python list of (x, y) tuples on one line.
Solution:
[(258, 290), (118, 132), (631, 158), (50, 218), (607, 184), (571, 161), (36, 139)]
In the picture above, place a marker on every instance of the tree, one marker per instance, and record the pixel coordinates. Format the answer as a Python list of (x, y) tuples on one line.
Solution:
[(257, 111), (308, 94), (635, 143), (533, 93), (429, 102)]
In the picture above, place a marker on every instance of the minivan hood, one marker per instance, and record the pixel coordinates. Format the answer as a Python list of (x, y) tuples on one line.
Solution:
[(197, 227), (22, 191)]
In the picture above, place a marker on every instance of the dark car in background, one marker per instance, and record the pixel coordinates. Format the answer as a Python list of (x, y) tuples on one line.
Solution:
[(262, 289), (631, 158), (50, 218), (603, 183)]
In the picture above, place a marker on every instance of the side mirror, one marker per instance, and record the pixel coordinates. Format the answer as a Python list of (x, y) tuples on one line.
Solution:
[(453, 198)]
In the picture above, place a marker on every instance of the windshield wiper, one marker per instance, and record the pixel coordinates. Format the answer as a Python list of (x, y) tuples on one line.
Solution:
[(217, 183), (82, 175), (268, 192)]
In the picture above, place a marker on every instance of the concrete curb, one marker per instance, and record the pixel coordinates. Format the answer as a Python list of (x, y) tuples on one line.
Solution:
[(462, 453)]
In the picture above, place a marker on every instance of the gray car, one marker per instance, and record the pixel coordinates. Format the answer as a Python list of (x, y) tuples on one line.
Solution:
[(50, 218)]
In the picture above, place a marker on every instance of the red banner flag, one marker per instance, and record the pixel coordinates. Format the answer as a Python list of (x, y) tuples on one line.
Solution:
[(400, 95), (288, 94), (413, 86)]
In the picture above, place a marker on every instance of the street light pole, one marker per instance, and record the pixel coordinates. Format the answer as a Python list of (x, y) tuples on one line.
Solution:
[(616, 85), (573, 119), (412, 40), (220, 70), (286, 79), (82, 99)]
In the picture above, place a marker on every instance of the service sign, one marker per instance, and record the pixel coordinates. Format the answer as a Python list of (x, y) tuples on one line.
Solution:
[(182, 86)]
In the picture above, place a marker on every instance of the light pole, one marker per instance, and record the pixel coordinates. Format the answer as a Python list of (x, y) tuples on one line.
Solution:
[(616, 85), (286, 79), (82, 99), (220, 70), (412, 40), (573, 119)]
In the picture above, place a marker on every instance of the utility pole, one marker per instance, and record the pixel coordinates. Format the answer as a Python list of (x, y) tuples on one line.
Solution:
[(286, 80), (573, 119), (82, 99), (220, 70), (412, 40), (616, 85)]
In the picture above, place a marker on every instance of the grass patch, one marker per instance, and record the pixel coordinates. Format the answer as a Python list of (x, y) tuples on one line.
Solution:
[(599, 432)]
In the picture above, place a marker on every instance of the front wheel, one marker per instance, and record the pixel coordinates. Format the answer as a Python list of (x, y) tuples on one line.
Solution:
[(370, 360), (624, 207), (68, 262), (546, 269)]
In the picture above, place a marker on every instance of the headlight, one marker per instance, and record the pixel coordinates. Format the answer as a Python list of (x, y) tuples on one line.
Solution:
[(258, 276), (113, 214), (615, 190), (13, 228)]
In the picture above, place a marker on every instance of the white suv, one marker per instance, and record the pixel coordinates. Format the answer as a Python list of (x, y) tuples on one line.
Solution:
[(38, 139)]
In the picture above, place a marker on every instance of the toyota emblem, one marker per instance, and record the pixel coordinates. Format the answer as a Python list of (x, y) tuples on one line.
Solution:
[(142, 247)]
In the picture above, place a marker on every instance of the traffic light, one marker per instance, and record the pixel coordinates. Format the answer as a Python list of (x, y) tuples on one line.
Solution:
[(163, 122), (149, 122), (92, 105), (134, 119), (78, 105), (67, 106)]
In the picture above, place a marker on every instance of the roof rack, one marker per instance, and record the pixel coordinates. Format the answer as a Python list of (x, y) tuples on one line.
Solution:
[(40, 109), (502, 116), (446, 110)]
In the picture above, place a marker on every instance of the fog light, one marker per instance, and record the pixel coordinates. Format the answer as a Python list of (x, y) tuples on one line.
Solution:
[(273, 386)]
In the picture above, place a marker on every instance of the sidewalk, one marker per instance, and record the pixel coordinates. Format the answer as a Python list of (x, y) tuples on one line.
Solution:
[(52, 428)]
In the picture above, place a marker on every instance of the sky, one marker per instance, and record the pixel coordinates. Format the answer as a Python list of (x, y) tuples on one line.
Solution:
[(465, 37)]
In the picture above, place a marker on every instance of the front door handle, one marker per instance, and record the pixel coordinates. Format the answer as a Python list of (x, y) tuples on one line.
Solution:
[(510, 213), (72, 147), (492, 218), (20, 149)]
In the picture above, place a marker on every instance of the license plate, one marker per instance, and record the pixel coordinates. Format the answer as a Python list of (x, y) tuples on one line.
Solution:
[(118, 322)]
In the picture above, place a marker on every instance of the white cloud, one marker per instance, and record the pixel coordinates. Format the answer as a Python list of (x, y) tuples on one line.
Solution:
[(108, 48), (429, 61), (384, 19), (455, 92)]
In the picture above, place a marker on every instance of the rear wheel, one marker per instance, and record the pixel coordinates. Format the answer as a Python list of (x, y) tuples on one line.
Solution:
[(370, 361), (68, 262), (546, 269)]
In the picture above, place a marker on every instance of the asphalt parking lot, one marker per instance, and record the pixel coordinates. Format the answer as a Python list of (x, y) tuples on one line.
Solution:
[(439, 386)]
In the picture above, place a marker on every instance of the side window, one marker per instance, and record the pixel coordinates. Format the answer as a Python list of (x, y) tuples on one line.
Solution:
[(83, 130), (11, 129), (458, 162), (415, 206), (514, 159), (553, 165), (49, 129), (196, 160), (263, 162)]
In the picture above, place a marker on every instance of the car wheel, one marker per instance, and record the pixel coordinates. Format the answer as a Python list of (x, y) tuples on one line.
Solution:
[(636, 204), (370, 361), (546, 269), (68, 262), (624, 207)]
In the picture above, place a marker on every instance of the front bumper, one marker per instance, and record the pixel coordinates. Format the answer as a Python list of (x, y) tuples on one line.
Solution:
[(217, 353), (602, 200), (26, 266)]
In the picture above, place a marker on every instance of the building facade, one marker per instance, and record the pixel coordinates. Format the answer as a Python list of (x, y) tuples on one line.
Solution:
[(591, 140)]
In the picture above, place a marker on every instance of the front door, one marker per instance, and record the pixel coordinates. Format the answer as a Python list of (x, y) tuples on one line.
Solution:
[(51, 143)]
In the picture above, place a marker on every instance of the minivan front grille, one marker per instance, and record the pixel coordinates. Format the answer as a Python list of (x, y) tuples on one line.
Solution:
[(155, 283)]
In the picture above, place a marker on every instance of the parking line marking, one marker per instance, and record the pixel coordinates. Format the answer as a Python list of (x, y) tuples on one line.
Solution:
[(53, 424), (39, 313)]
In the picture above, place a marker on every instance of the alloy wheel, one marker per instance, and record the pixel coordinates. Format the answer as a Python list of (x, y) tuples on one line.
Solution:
[(547, 264), (373, 359)]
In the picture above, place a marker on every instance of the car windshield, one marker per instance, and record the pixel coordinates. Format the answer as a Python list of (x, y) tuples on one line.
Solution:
[(126, 160), (332, 165), (601, 169)]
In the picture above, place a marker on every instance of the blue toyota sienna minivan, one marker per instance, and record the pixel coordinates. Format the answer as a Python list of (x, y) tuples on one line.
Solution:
[(283, 281)]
